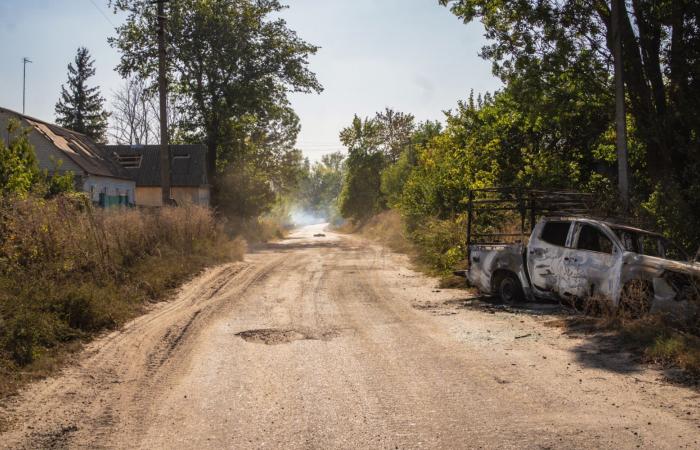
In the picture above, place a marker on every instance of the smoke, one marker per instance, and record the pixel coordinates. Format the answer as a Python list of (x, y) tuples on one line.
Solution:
[(302, 217)]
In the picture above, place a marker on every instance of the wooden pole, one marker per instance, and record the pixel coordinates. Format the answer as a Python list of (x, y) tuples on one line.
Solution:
[(163, 93)]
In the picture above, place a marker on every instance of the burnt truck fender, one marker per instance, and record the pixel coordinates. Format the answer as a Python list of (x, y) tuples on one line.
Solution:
[(676, 288), (488, 262)]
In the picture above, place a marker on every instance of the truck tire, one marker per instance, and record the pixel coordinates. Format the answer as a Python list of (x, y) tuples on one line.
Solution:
[(509, 289)]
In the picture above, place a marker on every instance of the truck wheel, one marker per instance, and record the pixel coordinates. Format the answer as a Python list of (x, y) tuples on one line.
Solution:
[(636, 298), (509, 289)]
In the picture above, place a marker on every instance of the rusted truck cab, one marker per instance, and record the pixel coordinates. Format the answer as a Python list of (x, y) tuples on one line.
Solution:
[(578, 258)]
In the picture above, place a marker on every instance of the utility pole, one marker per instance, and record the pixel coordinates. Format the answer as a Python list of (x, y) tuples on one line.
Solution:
[(24, 83), (163, 92), (620, 115)]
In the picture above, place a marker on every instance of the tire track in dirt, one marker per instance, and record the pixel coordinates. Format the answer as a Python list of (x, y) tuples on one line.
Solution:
[(114, 383), (322, 343)]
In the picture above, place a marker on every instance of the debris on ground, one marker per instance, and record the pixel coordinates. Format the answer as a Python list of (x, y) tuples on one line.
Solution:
[(319, 235)]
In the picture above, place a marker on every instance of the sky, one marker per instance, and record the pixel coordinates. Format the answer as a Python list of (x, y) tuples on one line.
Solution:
[(411, 55)]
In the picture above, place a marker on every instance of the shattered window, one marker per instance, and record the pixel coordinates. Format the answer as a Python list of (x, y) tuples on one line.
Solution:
[(555, 233), (592, 239)]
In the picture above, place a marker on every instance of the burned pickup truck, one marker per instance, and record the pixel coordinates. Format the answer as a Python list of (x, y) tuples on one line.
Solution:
[(570, 256)]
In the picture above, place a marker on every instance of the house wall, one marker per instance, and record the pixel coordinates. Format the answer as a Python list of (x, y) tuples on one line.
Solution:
[(151, 195), (106, 191)]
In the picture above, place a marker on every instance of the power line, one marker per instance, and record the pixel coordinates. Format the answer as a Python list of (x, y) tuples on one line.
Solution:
[(102, 13)]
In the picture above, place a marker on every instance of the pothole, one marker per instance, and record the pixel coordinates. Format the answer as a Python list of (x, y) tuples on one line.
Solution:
[(275, 336)]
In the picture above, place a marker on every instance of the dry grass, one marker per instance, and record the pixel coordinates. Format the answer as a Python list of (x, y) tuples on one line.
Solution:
[(436, 246), (662, 339), (68, 271), (256, 230), (388, 229)]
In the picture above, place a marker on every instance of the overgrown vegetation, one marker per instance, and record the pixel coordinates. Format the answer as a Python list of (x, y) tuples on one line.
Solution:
[(68, 271)]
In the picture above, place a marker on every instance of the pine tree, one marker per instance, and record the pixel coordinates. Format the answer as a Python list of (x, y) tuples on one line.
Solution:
[(80, 108)]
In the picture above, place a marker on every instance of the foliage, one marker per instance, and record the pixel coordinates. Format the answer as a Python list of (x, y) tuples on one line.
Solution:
[(360, 197), (68, 271), (19, 169), (320, 186), (373, 144), (80, 107), (233, 63), (555, 58)]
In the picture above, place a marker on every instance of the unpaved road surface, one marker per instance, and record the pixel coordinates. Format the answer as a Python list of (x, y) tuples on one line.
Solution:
[(331, 342)]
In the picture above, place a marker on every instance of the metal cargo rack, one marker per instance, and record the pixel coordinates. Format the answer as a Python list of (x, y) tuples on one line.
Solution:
[(529, 204)]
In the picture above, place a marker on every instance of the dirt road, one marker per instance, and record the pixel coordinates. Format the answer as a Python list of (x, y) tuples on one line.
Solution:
[(330, 342)]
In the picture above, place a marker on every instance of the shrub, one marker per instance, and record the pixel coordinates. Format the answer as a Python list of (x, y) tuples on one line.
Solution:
[(68, 270)]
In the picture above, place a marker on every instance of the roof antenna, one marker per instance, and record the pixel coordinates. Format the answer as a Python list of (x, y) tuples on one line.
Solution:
[(24, 82)]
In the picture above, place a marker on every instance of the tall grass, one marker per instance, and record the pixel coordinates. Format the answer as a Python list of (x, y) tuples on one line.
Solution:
[(68, 271)]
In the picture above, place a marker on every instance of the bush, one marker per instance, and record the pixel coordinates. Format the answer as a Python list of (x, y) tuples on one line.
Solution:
[(67, 270)]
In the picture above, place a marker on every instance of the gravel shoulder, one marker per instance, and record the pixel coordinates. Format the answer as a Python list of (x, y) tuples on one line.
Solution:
[(334, 342)]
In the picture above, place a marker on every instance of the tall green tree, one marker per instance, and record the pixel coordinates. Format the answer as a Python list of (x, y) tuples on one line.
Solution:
[(234, 62), (560, 52), (361, 196), (81, 108)]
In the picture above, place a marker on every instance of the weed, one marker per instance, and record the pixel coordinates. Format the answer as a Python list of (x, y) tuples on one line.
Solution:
[(68, 271)]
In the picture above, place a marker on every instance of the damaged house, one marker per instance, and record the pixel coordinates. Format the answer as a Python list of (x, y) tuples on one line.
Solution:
[(59, 150), (188, 170)]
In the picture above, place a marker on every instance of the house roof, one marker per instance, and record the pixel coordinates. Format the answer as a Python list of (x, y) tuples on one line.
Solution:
[(188, 164), (77, 147)]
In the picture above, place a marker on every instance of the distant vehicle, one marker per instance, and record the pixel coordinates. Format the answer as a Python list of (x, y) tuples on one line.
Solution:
[(577, 257)]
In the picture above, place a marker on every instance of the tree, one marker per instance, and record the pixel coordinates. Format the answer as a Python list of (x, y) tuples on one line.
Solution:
[(135, 116), (132, 115), (395, 130), (560, 51), (233, 63), (361, 196), (80, 107), (321, 185), (19, 169)]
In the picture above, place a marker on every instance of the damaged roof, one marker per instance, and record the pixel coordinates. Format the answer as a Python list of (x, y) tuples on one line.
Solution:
[(76, 147), (188, 164)]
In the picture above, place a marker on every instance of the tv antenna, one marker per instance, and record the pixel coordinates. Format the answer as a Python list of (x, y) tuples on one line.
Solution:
[(24, 83)]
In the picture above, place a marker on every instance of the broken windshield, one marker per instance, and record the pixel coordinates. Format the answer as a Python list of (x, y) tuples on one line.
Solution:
[(649, 244)]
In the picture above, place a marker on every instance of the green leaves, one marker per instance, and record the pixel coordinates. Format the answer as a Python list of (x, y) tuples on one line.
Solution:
[(80, 108), (19, 170)]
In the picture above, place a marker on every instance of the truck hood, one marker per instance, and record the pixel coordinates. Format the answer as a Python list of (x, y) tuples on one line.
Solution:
[(688, 268)]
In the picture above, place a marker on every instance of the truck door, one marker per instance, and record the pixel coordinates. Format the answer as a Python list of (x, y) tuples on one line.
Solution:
[(545, 253), (591, 266)]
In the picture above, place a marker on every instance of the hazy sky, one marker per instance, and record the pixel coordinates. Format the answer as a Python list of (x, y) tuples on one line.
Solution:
[(411, 55)]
